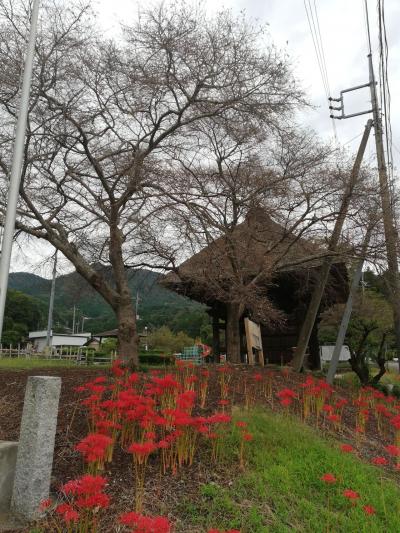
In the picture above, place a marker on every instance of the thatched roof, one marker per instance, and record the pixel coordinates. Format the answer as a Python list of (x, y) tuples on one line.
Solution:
[(258, 245)]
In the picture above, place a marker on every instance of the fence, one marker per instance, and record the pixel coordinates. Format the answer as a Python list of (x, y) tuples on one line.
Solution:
[(74, 354)]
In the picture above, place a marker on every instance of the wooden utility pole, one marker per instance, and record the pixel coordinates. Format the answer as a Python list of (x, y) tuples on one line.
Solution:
[(387, 210), (323, 273)]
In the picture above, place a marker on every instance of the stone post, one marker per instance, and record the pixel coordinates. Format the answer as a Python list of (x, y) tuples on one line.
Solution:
[(36, 446), (8, 458)]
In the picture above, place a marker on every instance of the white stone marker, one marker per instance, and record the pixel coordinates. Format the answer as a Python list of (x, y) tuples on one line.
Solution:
[(36, 446)]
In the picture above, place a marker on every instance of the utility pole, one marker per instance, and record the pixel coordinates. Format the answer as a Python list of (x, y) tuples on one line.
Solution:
[(387, 210), (348, 309), (73, 320), (388, 215), (137, 305), (323, 273), (16, 166), (51, 304)]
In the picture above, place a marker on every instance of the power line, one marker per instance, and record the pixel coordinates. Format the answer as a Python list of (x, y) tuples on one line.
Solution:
[(316, 35), (385, 91)]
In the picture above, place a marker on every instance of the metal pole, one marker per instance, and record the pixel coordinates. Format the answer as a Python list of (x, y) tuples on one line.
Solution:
[(388, 216), (73, 321), (51, 304), (16, 166), (347, 311)]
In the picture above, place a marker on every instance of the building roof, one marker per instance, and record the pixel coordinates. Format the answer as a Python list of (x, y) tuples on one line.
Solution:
[(258, 246)]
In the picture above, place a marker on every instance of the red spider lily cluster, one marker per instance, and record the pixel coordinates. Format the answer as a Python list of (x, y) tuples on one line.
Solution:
[(152, 417), (139, 523), (161, 418), (85, 498)]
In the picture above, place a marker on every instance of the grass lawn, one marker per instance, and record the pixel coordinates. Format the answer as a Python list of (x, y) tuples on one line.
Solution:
[(14, 363), (281, 490)]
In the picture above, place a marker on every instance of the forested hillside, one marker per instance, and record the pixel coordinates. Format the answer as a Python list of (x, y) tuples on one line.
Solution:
[(157, 306)]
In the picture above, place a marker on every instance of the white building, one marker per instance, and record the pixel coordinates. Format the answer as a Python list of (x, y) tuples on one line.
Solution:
[(38, 339)]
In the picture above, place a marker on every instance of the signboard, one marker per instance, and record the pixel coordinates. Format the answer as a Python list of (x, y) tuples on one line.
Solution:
[(327, 351), (255, 352)]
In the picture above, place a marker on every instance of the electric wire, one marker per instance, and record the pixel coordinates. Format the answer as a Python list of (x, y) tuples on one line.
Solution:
[(316, 35), (385, 94)]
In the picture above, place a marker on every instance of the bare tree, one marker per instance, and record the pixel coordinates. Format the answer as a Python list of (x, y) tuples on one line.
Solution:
[(256, 202), (108, 117)]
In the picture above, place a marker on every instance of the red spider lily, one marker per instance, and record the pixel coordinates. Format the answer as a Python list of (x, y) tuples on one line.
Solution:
[(390, 399), (333, 418), (100, 379), (381, 409), (285, 402), (92, 501), (327, 408), (346, 448), (379, 461), (247, 437), (146, 524), (257, 377), (360, 402), (186, 400), (140, 452), (351, 495), (286, 393), (368, 509), (219, 418), (142, 449), (340, 403), (67, 512), (45, 504), (395, 421), (94, 446), (86, 484), (392, 450), (104, 426), (241, 424), (116, 368), (328, 478)]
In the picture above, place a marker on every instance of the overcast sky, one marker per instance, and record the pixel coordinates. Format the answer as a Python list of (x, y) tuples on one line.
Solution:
[(342, 24)]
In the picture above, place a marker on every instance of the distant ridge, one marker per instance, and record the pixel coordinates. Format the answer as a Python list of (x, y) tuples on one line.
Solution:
[(157, 305)]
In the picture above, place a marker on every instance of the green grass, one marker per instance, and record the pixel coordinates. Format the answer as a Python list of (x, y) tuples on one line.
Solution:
[(280, 491), (8, 363), (14, 363)]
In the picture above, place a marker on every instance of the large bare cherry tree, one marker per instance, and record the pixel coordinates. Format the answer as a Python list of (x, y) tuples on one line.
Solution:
[(107, 117)]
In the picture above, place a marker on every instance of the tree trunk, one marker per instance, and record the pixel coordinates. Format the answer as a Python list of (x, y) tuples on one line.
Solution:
[(125, 311), (358, 360), (380, 360), (233, 333), (127, 335), (313, 348), (216, 339)]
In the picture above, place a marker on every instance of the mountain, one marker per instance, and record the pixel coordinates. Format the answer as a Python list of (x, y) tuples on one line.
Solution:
[(156, 305)]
